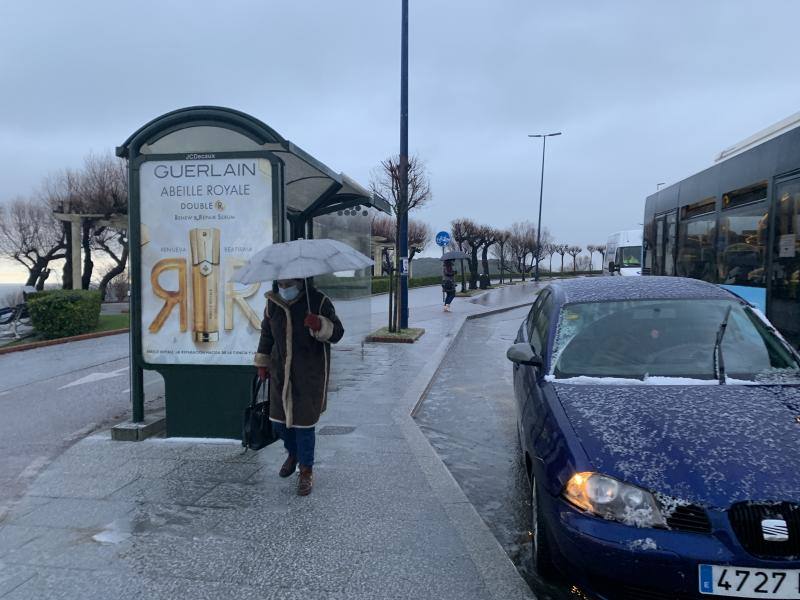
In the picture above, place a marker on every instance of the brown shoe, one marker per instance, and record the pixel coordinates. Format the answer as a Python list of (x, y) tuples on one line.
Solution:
[(305, 482), (288, 467)]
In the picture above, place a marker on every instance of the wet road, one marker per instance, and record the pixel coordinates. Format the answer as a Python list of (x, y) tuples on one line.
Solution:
[(470, 420), (51, 397)]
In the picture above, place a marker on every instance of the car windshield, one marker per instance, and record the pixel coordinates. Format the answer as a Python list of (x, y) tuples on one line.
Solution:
[(639, 339), (630, 256)]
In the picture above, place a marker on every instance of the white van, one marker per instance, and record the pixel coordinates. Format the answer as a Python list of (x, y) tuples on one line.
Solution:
[(624, 253)]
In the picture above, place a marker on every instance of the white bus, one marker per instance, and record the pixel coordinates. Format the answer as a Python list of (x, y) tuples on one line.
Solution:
[(624, 253)]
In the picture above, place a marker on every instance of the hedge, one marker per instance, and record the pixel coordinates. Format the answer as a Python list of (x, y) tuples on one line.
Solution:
[(380, 285), (64, 313)]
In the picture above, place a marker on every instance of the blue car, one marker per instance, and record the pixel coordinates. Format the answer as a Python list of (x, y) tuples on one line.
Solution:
[(659, 419)]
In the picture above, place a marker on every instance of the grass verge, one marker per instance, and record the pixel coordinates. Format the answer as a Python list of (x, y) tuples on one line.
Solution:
[(104, 323), (402, 336)]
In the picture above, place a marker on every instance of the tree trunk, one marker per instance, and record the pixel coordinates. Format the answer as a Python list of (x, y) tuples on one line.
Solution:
[(473, 268), (117, 270), (562, 264), (88, 265), (42, 278), (485, 260), (35, 271)]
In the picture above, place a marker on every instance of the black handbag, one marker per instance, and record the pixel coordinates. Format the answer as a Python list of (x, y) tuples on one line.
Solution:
[(256, 427)]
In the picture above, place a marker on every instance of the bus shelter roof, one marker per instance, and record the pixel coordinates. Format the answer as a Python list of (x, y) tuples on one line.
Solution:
[(311, 187)]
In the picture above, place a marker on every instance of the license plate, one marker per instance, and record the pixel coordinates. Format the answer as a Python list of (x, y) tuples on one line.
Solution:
[(746, 582)]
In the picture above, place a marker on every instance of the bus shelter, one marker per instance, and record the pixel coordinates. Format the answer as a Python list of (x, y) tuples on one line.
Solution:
[(209, 186)]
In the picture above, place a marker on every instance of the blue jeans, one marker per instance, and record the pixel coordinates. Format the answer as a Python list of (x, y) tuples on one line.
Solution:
[(449, 296), (298, 441)]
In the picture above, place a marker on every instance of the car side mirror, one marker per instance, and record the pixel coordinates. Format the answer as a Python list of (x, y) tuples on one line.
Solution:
[(524, 354), (612, 267)]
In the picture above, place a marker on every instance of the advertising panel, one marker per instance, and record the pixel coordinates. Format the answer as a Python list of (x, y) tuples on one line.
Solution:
[(201, 219)]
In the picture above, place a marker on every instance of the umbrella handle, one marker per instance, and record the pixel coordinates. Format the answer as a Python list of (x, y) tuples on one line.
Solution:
[(308, 304)]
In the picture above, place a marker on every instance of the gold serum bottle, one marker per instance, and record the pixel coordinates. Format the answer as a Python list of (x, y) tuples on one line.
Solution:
[(204, 244)]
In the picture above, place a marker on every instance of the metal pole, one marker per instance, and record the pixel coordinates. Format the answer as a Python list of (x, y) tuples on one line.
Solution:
[(403, 200), (539, 225)]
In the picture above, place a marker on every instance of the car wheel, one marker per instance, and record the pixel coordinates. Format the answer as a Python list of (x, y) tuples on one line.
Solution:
[(541, 559)]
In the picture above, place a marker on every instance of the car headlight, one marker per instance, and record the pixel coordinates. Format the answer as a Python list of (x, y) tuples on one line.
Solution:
[(612, 499)]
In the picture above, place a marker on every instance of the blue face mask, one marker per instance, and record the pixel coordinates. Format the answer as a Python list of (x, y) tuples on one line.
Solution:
[(289, 293)]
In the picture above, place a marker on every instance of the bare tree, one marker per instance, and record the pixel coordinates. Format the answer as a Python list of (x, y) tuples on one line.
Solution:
[(591, 249), (602, 250), (562, 250), (538, 253), (500, 249), (475, 237), (489, 239), (31, 236), (419, 233), (386, 183), (114, 243), (522, 243), (99, 189), (573, 251), (459, 242), (584, 263), (551, 251), (419, 236)]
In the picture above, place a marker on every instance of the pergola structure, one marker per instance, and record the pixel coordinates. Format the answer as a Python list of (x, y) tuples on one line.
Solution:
[(76, 221)]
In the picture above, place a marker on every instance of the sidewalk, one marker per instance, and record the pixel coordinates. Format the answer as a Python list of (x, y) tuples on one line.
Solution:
[(180, 519)]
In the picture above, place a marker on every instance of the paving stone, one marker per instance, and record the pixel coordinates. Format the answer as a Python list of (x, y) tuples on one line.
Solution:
[(210, 470), (61, 484), (67, 584), (13, 576), (408, 576), (13, 537), (67, 549), (74, 513), (164, 490)]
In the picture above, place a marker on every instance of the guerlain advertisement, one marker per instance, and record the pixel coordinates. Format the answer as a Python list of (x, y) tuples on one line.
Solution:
[(201, 220)]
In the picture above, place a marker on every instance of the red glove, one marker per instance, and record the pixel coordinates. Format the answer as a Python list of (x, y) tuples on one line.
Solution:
[(313, 322), (263, 373)]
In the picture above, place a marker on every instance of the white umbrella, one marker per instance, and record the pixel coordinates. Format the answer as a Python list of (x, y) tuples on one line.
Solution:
[(300, 259)]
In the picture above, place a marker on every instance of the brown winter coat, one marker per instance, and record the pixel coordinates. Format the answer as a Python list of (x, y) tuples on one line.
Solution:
[(289, 347)]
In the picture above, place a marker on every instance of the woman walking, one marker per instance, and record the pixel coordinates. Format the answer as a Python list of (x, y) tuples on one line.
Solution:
[(448, 283), (294, 352)]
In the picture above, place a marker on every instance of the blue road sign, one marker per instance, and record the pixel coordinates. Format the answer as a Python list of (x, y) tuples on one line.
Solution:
[(442, 239)]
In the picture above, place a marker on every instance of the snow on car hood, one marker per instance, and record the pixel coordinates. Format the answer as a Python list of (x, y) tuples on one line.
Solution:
[(710, 445)]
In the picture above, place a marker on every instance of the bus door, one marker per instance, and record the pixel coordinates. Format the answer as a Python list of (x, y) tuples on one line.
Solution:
[(666, 232), (784, 303)]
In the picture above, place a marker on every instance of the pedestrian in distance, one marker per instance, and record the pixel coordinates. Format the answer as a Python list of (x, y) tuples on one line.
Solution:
[(448, 283), (294, 353)]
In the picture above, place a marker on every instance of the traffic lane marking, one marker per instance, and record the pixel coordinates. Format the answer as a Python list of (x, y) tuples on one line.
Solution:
[(94, 377), (33, 382)]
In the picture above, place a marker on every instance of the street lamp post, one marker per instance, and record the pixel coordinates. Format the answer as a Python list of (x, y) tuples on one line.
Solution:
[(544, 137), (402, 243)]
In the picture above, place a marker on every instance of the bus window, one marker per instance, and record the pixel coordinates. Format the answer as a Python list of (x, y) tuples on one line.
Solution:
[(669, 243), (784, 308), (743, 242), (696, 253)]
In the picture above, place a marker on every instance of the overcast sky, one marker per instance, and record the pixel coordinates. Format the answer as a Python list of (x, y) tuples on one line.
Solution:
[(643, 91)]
